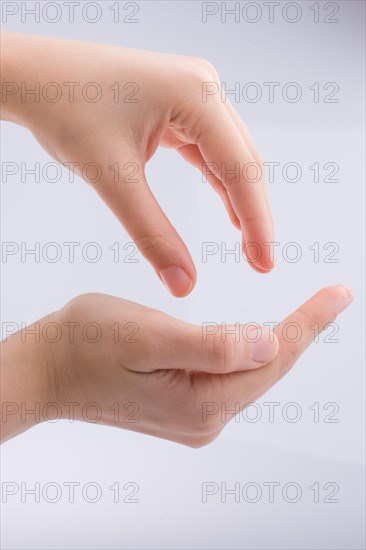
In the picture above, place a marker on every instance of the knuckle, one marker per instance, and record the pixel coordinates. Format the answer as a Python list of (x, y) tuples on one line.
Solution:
[(293, 355), (230, 178), (200, 70), (221, 353), (207, 66), (149, 245), (78, 304), (301, 323)]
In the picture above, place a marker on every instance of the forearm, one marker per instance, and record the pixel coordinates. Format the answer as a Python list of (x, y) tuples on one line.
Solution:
[(28, 63), (14, 61), (21, 382)]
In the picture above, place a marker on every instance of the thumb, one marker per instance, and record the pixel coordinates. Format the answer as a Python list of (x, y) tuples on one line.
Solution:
[(211, 348)]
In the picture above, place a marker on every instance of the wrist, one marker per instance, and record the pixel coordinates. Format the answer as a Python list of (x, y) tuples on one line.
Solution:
[(27, 361), (10, 76), (21, 70)]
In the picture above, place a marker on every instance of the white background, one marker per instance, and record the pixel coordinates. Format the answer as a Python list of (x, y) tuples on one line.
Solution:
[(170, 512)]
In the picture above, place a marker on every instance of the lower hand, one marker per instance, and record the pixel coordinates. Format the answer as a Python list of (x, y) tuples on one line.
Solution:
[(160, 372)]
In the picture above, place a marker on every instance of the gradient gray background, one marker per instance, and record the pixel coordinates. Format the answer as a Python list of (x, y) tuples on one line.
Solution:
[(170, 513)]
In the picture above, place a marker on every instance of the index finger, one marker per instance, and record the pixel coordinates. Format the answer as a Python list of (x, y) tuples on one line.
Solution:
[(294, 334)]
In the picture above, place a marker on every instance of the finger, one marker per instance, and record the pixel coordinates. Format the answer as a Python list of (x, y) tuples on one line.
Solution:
[(252, 148), (251, 251), (137, 209), (226, 153), (192, 154), (294, 334), (211, 348)]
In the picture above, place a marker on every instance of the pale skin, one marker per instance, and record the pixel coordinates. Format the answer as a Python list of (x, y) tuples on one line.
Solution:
[(170, 110), (171, 370), (171, 377)]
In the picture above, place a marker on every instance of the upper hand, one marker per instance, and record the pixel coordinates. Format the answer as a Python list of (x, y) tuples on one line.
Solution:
[(164, 102)]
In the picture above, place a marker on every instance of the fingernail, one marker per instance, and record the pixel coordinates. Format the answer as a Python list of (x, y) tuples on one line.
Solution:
[(345, 301), (265, 344), (177, 280)]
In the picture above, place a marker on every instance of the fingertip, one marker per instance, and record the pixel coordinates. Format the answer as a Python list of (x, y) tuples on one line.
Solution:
[(261, 260), (345, 289), (263, 267), (346, 297), (177, 280), (335, 298), (266, 261)]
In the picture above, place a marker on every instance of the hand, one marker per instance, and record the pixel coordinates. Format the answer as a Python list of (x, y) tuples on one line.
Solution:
[(151, 373), (169, 100)]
